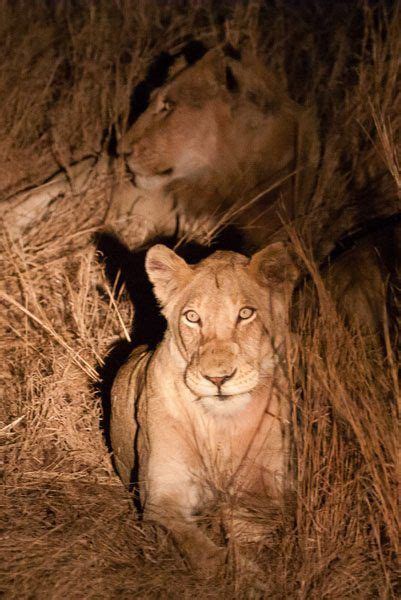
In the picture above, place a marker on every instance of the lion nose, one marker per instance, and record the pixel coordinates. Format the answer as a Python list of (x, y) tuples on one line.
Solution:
[(221, 379)]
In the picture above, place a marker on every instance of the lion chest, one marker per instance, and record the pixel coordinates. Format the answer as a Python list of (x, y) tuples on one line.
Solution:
[(198, 455)]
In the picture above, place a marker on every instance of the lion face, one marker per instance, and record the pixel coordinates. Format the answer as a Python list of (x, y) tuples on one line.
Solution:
[(208, 121), (173, 140), (227, 319)]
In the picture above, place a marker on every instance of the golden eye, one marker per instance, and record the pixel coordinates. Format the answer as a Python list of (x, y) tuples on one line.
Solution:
[(246, 313), (192, 316)]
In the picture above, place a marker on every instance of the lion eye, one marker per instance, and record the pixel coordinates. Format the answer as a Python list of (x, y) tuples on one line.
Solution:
[(166, 106), (192, 316), (246, 313)]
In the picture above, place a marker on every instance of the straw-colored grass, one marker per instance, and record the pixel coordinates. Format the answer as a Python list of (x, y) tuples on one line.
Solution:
[(69, 530)]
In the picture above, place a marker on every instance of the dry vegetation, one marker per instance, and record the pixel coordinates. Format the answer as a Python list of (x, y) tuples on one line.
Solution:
[(69, 528)]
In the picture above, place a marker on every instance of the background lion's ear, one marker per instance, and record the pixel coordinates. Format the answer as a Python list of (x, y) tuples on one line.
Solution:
[(275, 266), (223, 71), (167, 272)]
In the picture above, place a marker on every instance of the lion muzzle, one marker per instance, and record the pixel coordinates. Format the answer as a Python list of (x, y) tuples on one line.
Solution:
[(217, 362), (216, 371)]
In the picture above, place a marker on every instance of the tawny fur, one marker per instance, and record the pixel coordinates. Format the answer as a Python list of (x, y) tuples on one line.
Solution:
[(214, 137), (208, 410), (217, 135)]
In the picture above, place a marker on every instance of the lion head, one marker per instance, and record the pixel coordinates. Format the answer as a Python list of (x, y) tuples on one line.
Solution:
[(220, 128), (227, 319), (212, 116)]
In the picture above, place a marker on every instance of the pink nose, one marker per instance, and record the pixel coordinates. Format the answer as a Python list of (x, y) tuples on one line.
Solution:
[(220, 380)]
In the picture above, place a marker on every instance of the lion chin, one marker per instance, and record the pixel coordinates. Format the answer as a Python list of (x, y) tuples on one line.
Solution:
[(151, 183), (225, 406)]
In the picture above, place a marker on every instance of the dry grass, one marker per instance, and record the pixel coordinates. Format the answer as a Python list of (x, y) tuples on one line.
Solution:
[(69, 528)]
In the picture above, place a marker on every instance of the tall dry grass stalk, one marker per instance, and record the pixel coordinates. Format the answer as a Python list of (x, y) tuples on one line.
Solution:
[(69, 528)]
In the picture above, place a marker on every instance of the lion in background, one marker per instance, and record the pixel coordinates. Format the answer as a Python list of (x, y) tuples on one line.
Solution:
[(220, 142), (208, 410)]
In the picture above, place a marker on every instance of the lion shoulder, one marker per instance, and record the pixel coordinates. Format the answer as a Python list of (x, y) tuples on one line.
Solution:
[(128, 398)]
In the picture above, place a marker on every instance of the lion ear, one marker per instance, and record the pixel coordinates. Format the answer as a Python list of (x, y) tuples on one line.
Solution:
[(222, 70), (275, 266), (167, 272)]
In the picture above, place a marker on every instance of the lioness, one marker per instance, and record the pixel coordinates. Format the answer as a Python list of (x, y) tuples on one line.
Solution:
[(208, 410), (217, 134)]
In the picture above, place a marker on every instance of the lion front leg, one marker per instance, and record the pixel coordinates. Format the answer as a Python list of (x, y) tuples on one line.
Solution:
[(27, 207), (202, 554), (172, 502)]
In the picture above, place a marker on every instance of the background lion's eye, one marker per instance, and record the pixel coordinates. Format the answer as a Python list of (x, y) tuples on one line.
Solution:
[(192, 316), (166, 106), (246, 313)]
